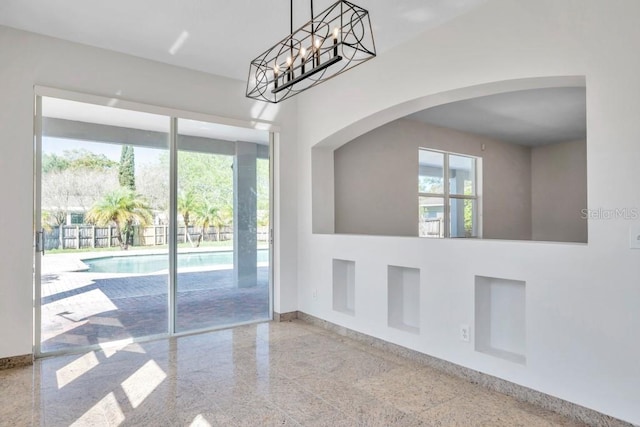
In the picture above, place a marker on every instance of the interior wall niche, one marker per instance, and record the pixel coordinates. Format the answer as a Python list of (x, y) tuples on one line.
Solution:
[(532, 183), (500, 318), (344, 286), (404, 298)]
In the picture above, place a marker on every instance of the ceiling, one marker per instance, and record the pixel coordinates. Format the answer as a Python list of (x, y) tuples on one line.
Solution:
[(215, 36), (529, 117), (105, 115)]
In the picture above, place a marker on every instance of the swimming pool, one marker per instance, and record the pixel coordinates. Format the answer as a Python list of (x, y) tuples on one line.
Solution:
[(142, 264)]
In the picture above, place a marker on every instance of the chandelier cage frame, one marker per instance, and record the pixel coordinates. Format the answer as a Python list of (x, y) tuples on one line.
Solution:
[(336, 40)]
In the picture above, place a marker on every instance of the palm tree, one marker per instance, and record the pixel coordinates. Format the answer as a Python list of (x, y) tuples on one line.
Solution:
[(45, 220), (123, 207), (187, 203), (207, 214), (223, 219)]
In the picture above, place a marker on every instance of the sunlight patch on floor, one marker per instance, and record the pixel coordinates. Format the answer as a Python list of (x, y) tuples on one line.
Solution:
[(107, 407), (143, 382), (76, 369), (127, 344), (82, 306), (200, 421)]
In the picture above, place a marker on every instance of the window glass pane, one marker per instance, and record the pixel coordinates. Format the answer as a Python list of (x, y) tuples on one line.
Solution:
[(105, 197), (223, 226), (431, 216), (430, 172), (464, 217), (462, 175)]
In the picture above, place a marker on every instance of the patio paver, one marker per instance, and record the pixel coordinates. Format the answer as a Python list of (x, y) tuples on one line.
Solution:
[(85, 308)]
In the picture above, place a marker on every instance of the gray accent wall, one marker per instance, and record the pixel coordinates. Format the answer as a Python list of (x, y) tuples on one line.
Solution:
[(376, 183), (376, 180), (559, 191)]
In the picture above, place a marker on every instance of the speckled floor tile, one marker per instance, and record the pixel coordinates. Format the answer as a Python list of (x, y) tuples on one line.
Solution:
[(258, 413), (409, 390), (358, 406), (269, 374), (350, 366)]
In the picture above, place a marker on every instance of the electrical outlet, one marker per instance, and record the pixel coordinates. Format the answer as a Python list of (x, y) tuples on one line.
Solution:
[(314, 294), (464, 333)]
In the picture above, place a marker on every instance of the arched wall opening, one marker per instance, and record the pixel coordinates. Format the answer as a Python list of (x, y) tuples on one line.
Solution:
[(327, 192)]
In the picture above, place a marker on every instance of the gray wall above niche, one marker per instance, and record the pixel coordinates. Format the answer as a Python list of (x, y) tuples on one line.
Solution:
[(376, 180), (559, 191)]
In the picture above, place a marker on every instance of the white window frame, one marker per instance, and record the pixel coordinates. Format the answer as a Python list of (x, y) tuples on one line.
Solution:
[(447, 196)]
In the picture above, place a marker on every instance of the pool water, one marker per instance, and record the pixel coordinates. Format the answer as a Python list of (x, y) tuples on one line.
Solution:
[(153, 263)]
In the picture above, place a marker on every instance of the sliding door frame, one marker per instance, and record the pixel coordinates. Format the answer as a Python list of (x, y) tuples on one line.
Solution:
[(174, 115)]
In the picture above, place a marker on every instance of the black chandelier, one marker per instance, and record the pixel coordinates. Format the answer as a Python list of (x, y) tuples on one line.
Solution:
[(336, 40)]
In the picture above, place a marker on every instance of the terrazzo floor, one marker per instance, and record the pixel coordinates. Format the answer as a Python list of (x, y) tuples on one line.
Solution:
[(264, 374)]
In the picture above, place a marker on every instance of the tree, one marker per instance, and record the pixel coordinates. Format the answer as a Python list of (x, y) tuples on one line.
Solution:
[(127, 168), (74, 181), (152, 180), (468, 211), (263, 218), (188, 203), (46, 219), (54, 163), (262, 184), (210, 176), (207, 214), (122, 207), (74, 190), (76, 159), (223, 219)]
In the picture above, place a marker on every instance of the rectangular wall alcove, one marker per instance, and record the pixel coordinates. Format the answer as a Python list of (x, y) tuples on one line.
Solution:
[(404, 298), (500, 318), (344, 286)]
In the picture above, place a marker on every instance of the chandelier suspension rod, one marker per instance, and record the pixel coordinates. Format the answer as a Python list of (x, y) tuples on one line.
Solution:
[(291, 26), (313, 36)]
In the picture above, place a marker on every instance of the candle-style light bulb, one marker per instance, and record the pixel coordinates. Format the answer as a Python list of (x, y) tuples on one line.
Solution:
[(317, 44), (303, 57), (289, 68), (276, 73), (335, 41)]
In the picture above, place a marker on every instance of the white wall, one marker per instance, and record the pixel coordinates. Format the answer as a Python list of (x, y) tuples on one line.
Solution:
[(559, 192), (581, 300), (376, 180), (28, 60)]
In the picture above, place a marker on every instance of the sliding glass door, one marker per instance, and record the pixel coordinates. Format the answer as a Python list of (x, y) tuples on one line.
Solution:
[(103, 209), (144, 228), (223, 212)]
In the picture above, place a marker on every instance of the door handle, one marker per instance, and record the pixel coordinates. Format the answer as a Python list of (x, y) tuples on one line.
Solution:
[(40, 241)]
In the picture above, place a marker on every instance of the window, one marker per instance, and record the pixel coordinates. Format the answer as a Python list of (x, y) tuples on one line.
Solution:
[(447, 207), (76, 218)]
